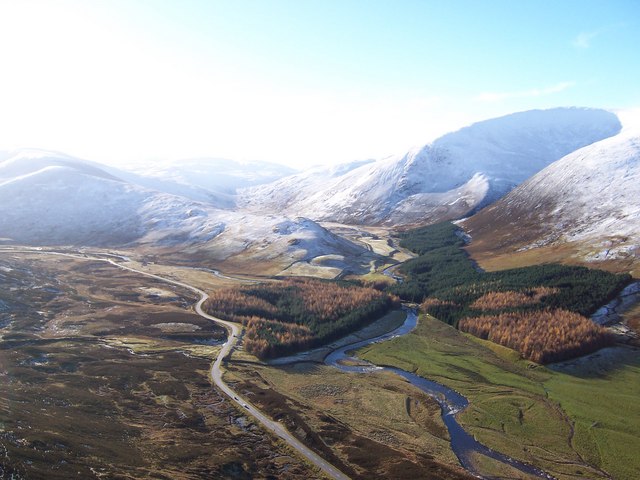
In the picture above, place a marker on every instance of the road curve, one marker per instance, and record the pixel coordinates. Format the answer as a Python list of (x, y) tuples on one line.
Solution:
[(216, 371)]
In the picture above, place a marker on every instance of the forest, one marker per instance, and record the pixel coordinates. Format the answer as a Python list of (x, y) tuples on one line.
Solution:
[(540, 310), (541, 336), (285, 317)]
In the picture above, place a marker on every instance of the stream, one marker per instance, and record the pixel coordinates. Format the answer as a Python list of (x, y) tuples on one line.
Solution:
[(464, 445), (611, 314)]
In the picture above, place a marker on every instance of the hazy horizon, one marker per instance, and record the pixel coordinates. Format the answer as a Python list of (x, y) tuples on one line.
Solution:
[(297, 83)]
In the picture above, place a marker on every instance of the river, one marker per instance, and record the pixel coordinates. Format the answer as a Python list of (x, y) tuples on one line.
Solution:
[(464, 445)]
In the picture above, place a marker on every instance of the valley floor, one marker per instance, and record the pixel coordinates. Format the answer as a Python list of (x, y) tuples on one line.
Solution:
[(577, 419), (108, 376), (105, 374)]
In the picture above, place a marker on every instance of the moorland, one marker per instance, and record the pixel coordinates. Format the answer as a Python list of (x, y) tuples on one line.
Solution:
[(110, 370)]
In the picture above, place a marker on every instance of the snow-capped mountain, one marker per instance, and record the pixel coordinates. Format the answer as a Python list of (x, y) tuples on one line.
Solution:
[(53, 199), (446, 179), (27, 161), (226, 209), (49, 198), (588, 201), (210, 180)]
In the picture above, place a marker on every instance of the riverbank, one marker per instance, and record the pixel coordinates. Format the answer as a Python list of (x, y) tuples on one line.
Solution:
[(466, 448), (570, 423), (385, 324), (362, 421)]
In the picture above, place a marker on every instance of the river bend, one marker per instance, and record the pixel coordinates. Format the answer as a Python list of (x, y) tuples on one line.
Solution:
[(464, 445)]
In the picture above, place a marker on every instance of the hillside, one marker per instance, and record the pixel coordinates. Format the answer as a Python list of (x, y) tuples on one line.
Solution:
[(447, 179), (540, 311), (52, 199), (585, 207)]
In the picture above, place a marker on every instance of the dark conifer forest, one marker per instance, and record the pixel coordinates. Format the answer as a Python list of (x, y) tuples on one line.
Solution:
[(540, 310)]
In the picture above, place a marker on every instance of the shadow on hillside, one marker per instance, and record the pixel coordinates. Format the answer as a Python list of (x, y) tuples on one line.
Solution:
[(601, 363)]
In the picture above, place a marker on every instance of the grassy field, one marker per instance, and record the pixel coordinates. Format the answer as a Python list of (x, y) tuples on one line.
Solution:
[(581, 420), (373, 277), (600, 393), (370, 426)]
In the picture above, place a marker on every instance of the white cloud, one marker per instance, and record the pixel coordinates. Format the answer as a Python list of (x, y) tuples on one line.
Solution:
[(583, 39), (534, 92)]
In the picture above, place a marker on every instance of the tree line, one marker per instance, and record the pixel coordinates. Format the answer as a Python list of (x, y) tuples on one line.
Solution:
[(510, 299)]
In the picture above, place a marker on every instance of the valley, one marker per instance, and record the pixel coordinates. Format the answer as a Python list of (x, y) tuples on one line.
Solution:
[(573, 420), (319, 240), (324, 408), (213, 319)]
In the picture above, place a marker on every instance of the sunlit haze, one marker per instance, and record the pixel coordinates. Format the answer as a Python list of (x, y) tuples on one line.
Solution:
[(297, 82)]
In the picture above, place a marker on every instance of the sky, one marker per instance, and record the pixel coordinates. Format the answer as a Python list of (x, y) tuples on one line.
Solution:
[(299, 82)]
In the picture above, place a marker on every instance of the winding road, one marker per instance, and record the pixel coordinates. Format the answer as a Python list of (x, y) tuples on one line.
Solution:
[(216, 371)]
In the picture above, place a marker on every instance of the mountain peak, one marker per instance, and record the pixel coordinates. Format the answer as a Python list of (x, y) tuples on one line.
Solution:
[(467, 169)]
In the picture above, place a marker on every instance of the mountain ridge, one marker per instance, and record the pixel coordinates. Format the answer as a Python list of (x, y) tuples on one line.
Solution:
[(49, 200), (238, 209), (589, 199), (446, 179)]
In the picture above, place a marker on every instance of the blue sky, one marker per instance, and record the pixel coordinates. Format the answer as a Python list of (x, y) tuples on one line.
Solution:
[(298, 82)]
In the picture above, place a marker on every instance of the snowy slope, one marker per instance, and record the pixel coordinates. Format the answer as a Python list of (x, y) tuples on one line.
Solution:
[(446, 179), (52, 199), (26, 161), (589, 199), (210, 180), (272, 244), (216, 173)]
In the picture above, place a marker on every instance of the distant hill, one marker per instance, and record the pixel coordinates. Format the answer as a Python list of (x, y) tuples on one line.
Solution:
[(447, 179), (210, 180), (53, 199), (48, 198)]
